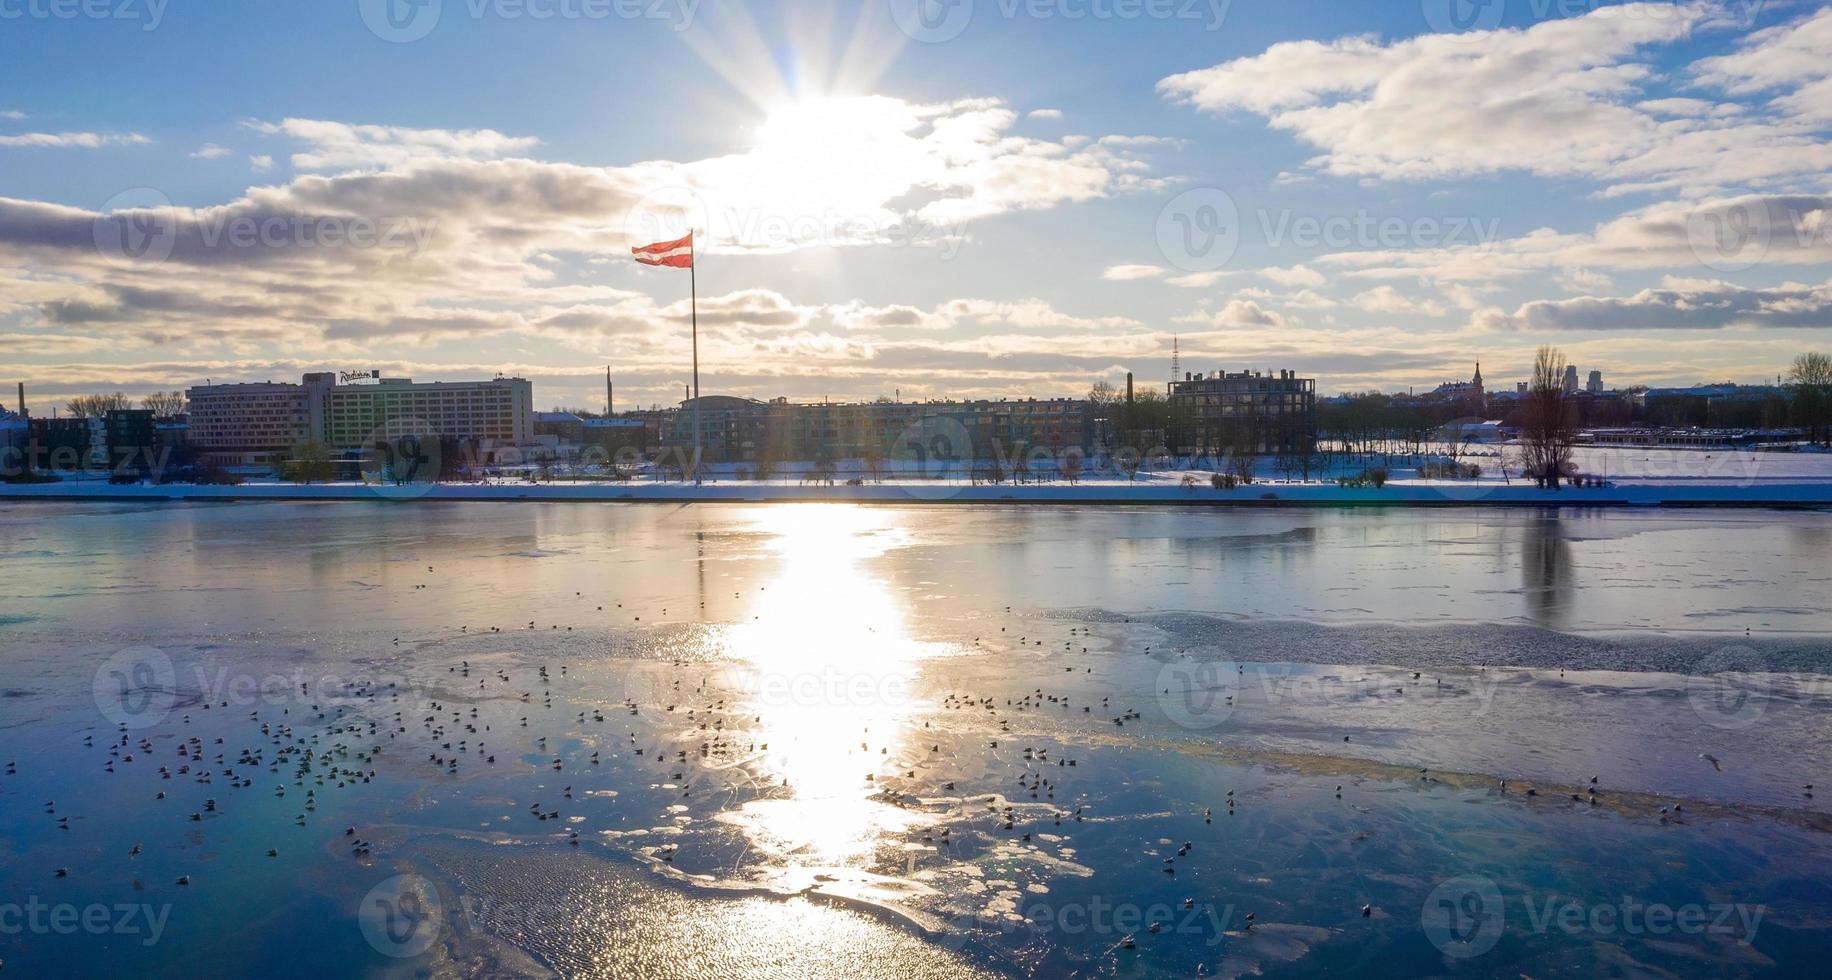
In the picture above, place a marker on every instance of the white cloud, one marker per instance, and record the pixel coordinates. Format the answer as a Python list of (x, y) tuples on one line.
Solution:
[(1678, 304), (1237, 313), (1199, 280), (1297, 275), (1045, 113), (1386, 299), (1774, 229), (341, 146), (1127, 273), (11, 114), (260, 163), (210, 151), (1792, 61), (82, 141), (1561, 98)]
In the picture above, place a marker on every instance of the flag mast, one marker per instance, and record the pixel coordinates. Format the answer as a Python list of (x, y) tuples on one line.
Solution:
[(693, 308)]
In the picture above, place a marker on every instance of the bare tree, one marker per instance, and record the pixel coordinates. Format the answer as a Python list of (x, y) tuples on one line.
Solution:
[(875, 465), (1548, 430), (1810, 378), (164, 404), (309, 462), (86, 406)]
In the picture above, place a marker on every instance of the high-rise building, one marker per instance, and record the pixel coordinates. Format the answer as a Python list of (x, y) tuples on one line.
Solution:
[(1571, 379), (256, 424), (1595, 384), (252, 424)]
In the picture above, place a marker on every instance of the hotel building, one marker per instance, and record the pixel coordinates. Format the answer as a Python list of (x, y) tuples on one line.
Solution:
[(257, 424)]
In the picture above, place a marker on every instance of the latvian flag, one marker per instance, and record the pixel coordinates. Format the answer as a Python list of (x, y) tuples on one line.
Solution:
[(677, 254)]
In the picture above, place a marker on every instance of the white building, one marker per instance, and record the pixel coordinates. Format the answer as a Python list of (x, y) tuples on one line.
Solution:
[(257, 424)]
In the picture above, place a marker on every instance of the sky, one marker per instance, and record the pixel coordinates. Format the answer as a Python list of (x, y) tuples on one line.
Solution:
[(909, 198)]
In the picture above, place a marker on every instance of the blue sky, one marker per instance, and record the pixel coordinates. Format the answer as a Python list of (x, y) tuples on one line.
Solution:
[(1012, 197)]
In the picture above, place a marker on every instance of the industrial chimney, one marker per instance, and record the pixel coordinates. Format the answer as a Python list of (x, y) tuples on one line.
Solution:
[(22, 399)]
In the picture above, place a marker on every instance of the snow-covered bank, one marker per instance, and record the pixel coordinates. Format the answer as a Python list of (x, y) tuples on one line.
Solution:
[(1159, 490)]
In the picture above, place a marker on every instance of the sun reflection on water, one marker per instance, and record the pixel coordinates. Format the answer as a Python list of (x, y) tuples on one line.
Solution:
[(830, 671)]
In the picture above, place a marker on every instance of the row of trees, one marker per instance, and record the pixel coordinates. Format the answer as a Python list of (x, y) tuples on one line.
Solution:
[(162, 404)]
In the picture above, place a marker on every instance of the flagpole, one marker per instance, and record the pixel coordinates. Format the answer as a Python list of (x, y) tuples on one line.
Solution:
[(693, 307)]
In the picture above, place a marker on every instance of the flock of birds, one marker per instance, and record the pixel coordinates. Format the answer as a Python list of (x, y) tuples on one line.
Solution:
[(354, 736)]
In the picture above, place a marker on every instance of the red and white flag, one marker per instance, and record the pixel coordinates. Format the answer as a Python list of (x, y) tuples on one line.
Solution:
[(677, 254)]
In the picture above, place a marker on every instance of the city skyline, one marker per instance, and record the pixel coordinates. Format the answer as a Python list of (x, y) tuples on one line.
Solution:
[(1371, 196)]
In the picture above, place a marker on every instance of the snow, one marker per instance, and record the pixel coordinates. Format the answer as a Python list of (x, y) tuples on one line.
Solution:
[(1637, 477)]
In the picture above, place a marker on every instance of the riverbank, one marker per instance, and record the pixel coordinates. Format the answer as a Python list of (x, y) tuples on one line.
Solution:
[(1159, 490)]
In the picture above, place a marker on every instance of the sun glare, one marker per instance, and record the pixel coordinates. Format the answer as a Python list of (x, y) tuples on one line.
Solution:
[(831, 671)]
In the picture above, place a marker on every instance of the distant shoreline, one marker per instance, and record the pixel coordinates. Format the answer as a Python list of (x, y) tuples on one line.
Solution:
[(1696, 493)]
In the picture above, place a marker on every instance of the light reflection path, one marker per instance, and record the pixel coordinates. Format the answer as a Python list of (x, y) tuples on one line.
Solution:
[(829, 669)]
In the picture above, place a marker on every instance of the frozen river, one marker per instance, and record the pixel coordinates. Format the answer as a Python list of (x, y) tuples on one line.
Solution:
[(824, 739)]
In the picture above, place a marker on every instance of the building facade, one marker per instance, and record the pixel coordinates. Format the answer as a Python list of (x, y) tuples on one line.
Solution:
[(254, 424), (257, 424), (1264, 413)]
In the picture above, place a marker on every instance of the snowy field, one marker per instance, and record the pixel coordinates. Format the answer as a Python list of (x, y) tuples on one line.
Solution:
[(1632, 476)]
